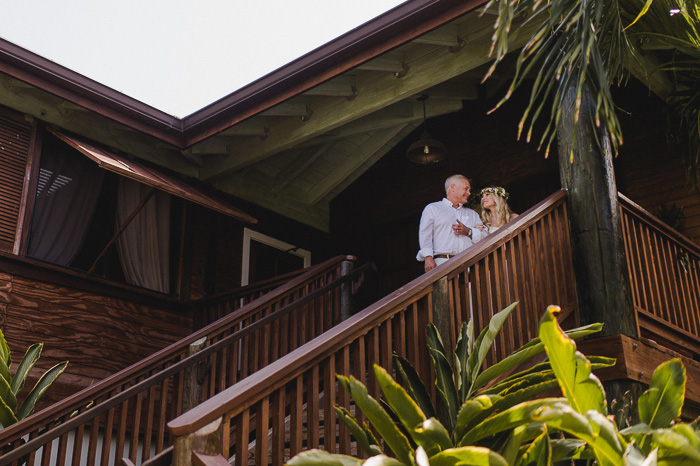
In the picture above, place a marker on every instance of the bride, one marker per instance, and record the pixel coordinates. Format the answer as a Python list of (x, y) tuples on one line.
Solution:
[(495, 211)]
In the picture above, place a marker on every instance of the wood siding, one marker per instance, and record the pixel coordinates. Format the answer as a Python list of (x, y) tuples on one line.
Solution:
[(98, 334)]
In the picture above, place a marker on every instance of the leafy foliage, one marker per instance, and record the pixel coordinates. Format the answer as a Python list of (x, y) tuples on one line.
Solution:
[(500, 421), (579, 44), (10, 386)]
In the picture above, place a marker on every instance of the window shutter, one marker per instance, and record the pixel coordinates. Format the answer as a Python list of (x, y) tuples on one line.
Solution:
[(15, 136)]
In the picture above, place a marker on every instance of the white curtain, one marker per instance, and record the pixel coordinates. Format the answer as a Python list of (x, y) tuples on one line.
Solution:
[(65, 202), (144, 247)]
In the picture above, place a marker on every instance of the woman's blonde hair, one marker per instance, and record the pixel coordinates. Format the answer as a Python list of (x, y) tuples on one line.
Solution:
[(503, 212)]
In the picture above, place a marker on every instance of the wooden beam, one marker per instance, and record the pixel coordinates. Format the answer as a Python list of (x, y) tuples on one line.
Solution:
[(342, 86), (446, 36), (386, 64), (646, 70), (297, 107), (298, 165), (354, 161), (51, 109), (375, 92)]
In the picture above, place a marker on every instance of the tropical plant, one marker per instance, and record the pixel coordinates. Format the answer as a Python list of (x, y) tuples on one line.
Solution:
[(589, 45), (502, 424), (11, 411)]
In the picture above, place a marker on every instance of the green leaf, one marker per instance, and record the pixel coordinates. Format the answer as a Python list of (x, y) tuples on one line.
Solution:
[(379, 418), (432, 436), (40, 389), (414, 385), (471, 409), (483, 344), (594, 428), (663, 401), (5, 355), (369, 445), (567, 449), (583, 389), (382, 460), (25, 366), (675, 448), (321, 458), (444, 380), (518, 436), (7, 396), (462, 351), (7, 416), (403, 405), (539, 452), (518, 415), (641, 13), (475, 456), (527, 351)]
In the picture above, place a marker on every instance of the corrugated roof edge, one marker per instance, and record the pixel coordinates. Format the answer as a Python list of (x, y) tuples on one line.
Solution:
[(387, 31)]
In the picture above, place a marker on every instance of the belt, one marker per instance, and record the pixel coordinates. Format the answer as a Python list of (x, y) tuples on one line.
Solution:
[(443, 256)]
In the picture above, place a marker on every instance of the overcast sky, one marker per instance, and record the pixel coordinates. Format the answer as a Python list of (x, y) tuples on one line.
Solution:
[(179, 55)]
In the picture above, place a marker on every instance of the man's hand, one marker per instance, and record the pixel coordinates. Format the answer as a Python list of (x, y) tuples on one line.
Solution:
[(461, 229), (429, 264)]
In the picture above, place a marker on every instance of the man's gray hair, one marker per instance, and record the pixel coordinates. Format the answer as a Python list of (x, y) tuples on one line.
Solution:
[(453, 180)]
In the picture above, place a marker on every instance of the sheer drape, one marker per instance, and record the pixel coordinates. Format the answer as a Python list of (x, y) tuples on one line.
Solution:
[(66, 197), (144, 247)]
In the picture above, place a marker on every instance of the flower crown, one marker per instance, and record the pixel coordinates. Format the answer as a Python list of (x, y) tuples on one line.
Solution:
[(497, 190)]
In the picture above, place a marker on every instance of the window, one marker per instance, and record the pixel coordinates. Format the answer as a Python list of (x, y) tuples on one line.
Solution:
[(266, 257)]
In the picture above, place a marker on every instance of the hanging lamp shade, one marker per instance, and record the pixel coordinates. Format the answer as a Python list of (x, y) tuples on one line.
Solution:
[(426, 150)]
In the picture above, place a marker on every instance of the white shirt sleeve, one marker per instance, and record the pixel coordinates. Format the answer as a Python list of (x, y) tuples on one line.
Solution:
[(425, 234)]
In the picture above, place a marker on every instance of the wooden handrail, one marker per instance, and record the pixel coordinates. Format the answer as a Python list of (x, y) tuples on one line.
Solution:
[(79, 399), (243, 394), (651, 220)]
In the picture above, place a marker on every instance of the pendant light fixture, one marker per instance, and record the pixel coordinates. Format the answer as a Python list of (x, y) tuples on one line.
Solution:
[(426, 150)]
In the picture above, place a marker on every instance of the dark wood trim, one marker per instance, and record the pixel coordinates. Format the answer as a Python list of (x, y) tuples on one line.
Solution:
[(650, 219), (45, 272), (29, 190), (637, 360)]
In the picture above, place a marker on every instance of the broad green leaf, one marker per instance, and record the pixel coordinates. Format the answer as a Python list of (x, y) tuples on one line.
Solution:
[(5, 372), (633, 457), (527, 351), (7, 395), (379, 418), (432, 436), (25, 366), (444, 380), (39, 389), (363, 440), (539, 452), (474, 456), (663, 401), (483, 343), (519, 436), (322, 457), (403, 405), (462, 350), (470, 409), (508, 419), (594, 428), (583, 389), (5, 355), (382, 460), (567, 449), (675, 449), (7, 416), (414, 385)]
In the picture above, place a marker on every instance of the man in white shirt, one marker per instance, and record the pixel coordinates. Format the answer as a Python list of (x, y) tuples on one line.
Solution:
[(447, 227)]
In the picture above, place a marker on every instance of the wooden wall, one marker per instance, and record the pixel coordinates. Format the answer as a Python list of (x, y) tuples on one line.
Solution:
[(97, 333), (377, 217), (651, 167)]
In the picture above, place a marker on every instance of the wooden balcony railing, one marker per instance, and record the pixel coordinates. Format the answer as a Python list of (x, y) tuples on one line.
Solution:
[(288, 406), (125, 415), (664, 274)]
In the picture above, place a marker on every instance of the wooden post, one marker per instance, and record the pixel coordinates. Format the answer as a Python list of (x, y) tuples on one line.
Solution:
[(192, 389), (602, 286), (207, 440), (346, 309), (441, 319)]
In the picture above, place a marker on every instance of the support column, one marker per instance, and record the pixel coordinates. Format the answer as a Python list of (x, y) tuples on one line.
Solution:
[(192, 389), (443, 323), (346, 304), (208, 440), (602, 285)]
